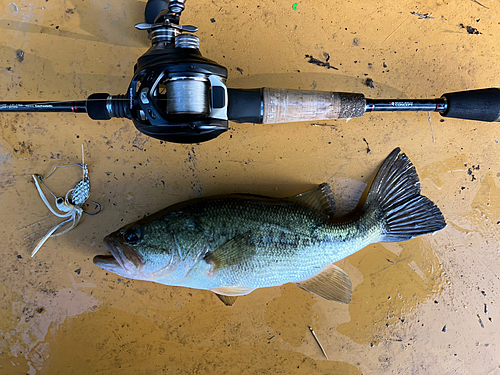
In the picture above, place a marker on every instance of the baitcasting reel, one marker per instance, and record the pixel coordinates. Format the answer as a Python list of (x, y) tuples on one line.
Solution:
[(177, 95)]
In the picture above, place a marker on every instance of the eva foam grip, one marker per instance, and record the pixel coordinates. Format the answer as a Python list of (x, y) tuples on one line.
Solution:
[(479, 105), (281, 105), (245, 105), (96, 106)]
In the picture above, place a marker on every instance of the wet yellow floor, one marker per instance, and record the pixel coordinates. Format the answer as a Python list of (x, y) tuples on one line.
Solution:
[(426, 306)]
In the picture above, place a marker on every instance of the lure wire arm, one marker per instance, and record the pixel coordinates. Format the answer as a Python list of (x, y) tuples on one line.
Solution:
[(62, 166)]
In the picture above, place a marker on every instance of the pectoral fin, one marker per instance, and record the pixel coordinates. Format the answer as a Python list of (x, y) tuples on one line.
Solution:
[(234, 251), (227, 300), (332, 284), (232, 291)]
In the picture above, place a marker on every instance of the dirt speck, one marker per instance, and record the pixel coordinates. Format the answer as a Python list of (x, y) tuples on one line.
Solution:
[(368, 150), (25, 147), (471, 30), (20, 55), (317, 62)]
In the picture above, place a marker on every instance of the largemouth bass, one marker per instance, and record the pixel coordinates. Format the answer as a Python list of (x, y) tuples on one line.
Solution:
[(237, 243)]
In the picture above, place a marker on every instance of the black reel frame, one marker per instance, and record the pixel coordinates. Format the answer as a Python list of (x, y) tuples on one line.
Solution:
[(151, 117)]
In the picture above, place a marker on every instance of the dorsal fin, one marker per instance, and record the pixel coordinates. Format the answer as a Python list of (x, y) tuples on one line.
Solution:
[(320, 199), (332, 284)]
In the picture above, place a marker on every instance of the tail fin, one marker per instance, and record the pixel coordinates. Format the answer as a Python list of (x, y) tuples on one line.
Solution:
[(395, 196)]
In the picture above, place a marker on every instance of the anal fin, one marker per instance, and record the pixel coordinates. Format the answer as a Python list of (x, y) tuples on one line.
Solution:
[(227, 300), (332, 284), (233, 290)]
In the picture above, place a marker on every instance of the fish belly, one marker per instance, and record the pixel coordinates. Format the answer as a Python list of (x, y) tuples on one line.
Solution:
[(272, 268)]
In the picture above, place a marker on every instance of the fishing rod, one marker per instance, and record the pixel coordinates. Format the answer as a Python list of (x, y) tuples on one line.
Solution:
[(177, 95)]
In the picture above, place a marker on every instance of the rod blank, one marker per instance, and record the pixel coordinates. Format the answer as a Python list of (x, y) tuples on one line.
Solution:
[(73, 106), (410, 105)]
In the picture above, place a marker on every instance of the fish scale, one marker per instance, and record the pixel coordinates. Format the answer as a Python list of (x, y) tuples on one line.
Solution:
[(298, 256)]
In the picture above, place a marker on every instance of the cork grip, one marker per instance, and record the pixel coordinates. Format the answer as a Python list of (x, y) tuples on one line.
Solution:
[(282, 105)]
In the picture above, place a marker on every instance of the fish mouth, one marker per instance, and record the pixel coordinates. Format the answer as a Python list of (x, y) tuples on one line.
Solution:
[(123, 260)]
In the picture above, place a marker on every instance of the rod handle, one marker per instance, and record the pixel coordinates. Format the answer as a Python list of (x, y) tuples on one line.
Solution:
[(281, 105), (479, 105)]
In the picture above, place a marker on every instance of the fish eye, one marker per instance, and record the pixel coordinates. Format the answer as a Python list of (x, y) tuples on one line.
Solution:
[(59, 200), (132, 236)]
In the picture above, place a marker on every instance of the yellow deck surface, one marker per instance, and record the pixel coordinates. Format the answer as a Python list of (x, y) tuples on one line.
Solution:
[(60, 314)]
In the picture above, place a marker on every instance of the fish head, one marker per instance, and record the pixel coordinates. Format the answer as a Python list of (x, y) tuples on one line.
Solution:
[(142, 252)]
